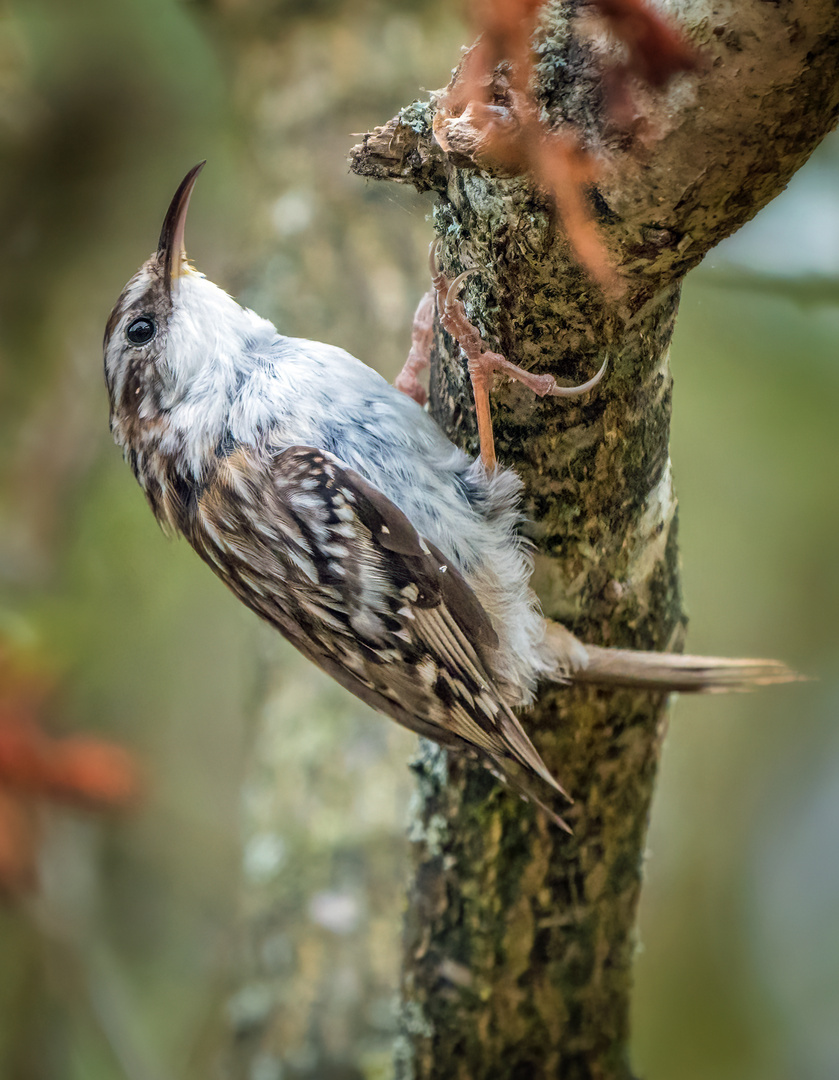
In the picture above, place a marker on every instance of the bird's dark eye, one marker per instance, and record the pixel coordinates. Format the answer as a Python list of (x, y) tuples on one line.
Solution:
[(141, 331)]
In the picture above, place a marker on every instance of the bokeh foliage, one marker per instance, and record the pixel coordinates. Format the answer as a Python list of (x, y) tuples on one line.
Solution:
[(103, 107)]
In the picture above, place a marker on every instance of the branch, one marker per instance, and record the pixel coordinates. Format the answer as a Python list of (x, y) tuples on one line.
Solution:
[(519, 940)]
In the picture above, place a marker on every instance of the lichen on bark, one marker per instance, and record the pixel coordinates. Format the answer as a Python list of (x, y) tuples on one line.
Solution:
[(519, 939)]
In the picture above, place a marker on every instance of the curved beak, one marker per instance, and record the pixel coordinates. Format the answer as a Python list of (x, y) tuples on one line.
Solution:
[(171, 247)]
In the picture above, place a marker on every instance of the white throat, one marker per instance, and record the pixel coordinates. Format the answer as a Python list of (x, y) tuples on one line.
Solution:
[(213, 344)]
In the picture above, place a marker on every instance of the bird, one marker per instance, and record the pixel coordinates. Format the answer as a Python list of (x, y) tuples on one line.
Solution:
[(335, 508)]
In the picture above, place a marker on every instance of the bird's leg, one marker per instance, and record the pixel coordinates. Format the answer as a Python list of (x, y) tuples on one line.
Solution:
[(482, 363), (420, 355)]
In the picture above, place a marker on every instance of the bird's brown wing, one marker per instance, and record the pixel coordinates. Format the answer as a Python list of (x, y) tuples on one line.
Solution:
[(329, 560)]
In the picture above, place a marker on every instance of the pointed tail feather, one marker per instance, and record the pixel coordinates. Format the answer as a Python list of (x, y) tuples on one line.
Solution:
[(592, 664), (671, 671)]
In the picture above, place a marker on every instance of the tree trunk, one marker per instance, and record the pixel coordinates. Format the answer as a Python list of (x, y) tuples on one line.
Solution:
[(519, 939), (327, 257)]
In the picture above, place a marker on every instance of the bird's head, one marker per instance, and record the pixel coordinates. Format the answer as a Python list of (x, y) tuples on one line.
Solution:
[(174, 346)]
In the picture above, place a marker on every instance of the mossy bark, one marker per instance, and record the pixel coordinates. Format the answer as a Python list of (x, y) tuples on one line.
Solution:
[(519, 939)]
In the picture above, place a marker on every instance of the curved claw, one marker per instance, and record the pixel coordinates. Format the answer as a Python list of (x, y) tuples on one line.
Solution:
[(583, 388), (455, 286), (434, 249)]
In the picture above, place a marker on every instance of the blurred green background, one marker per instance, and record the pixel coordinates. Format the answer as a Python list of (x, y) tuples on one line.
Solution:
[(122, 964)]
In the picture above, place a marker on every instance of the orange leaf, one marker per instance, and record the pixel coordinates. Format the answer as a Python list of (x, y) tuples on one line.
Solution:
[(657, 50), (92, 772), (18, 846), (36, 766)]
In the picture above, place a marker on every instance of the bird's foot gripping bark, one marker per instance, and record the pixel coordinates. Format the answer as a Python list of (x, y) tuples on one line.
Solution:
[(420, 355), (482, 362)]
